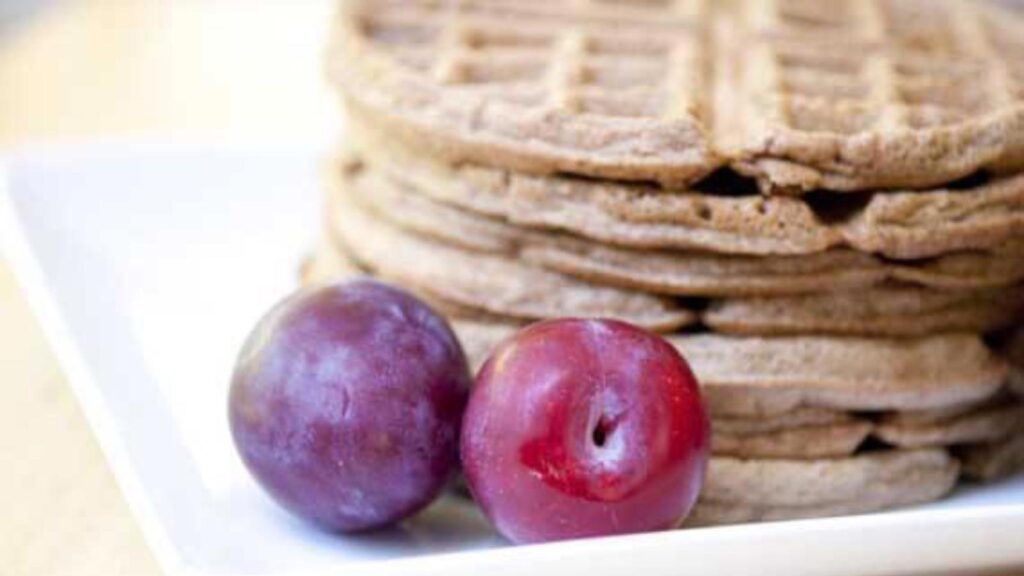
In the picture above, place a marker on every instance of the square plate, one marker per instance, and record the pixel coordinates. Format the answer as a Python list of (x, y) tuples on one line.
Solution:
[(147, 265)]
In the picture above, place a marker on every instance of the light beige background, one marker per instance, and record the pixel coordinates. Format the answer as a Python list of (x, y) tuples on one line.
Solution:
[(77, 70), (85, 69)]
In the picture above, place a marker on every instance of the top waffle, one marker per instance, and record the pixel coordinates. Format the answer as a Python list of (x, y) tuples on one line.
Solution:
[(856, 94), (800, 94), (607, 88)]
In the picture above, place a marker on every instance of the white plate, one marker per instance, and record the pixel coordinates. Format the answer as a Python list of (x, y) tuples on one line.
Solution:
[(147, 265)]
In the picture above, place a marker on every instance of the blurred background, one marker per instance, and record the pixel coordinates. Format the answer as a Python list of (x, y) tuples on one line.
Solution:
[(74, 71)]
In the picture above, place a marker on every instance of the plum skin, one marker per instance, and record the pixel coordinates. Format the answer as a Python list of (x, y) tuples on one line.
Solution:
[(346, 404), (580, 428)]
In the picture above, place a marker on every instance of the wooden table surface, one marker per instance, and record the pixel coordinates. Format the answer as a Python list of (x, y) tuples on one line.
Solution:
[(80, 70)]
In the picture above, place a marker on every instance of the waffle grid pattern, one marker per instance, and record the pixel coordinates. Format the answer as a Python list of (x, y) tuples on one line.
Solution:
[(920, 81), (844, 95), (591, 69), (605, 88), (896, 85)]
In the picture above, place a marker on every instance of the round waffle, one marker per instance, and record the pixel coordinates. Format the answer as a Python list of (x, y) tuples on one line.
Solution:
[(491, 282), (864, 94), (686, 273), (616, 89), (802, 442), (991, 423), (802, 483), (883, 310), (849, 95), (748, 490), (722, 216), (443, 271)]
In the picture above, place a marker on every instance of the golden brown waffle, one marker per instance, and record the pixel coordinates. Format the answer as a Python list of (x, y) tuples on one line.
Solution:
[(856, 94), (606, 88)]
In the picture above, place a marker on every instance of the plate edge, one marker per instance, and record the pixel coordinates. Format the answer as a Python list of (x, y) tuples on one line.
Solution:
[(29, 277)]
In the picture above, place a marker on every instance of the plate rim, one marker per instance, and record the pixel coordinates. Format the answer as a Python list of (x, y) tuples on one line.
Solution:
[(29, 277)]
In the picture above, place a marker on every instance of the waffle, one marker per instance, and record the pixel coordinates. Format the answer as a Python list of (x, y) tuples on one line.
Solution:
[(885, 311), (722, 216), (756, 377), (759, 377), (987, 424), (442, 278), (790, 442), (803, 443), (819, 204), (846, 436), (800, 483), (490, 282), (746, 490), (608, 89), (801, 432), (699, 274), (918, 225), (797, 418), (842, 95), (805, 414), (629, 215), (858, 94), (664, 271)]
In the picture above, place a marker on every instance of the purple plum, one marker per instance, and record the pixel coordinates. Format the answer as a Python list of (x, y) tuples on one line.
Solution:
[(346, 404)]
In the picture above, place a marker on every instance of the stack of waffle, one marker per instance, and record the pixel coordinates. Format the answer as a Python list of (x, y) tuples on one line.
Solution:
[(821, 204)]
